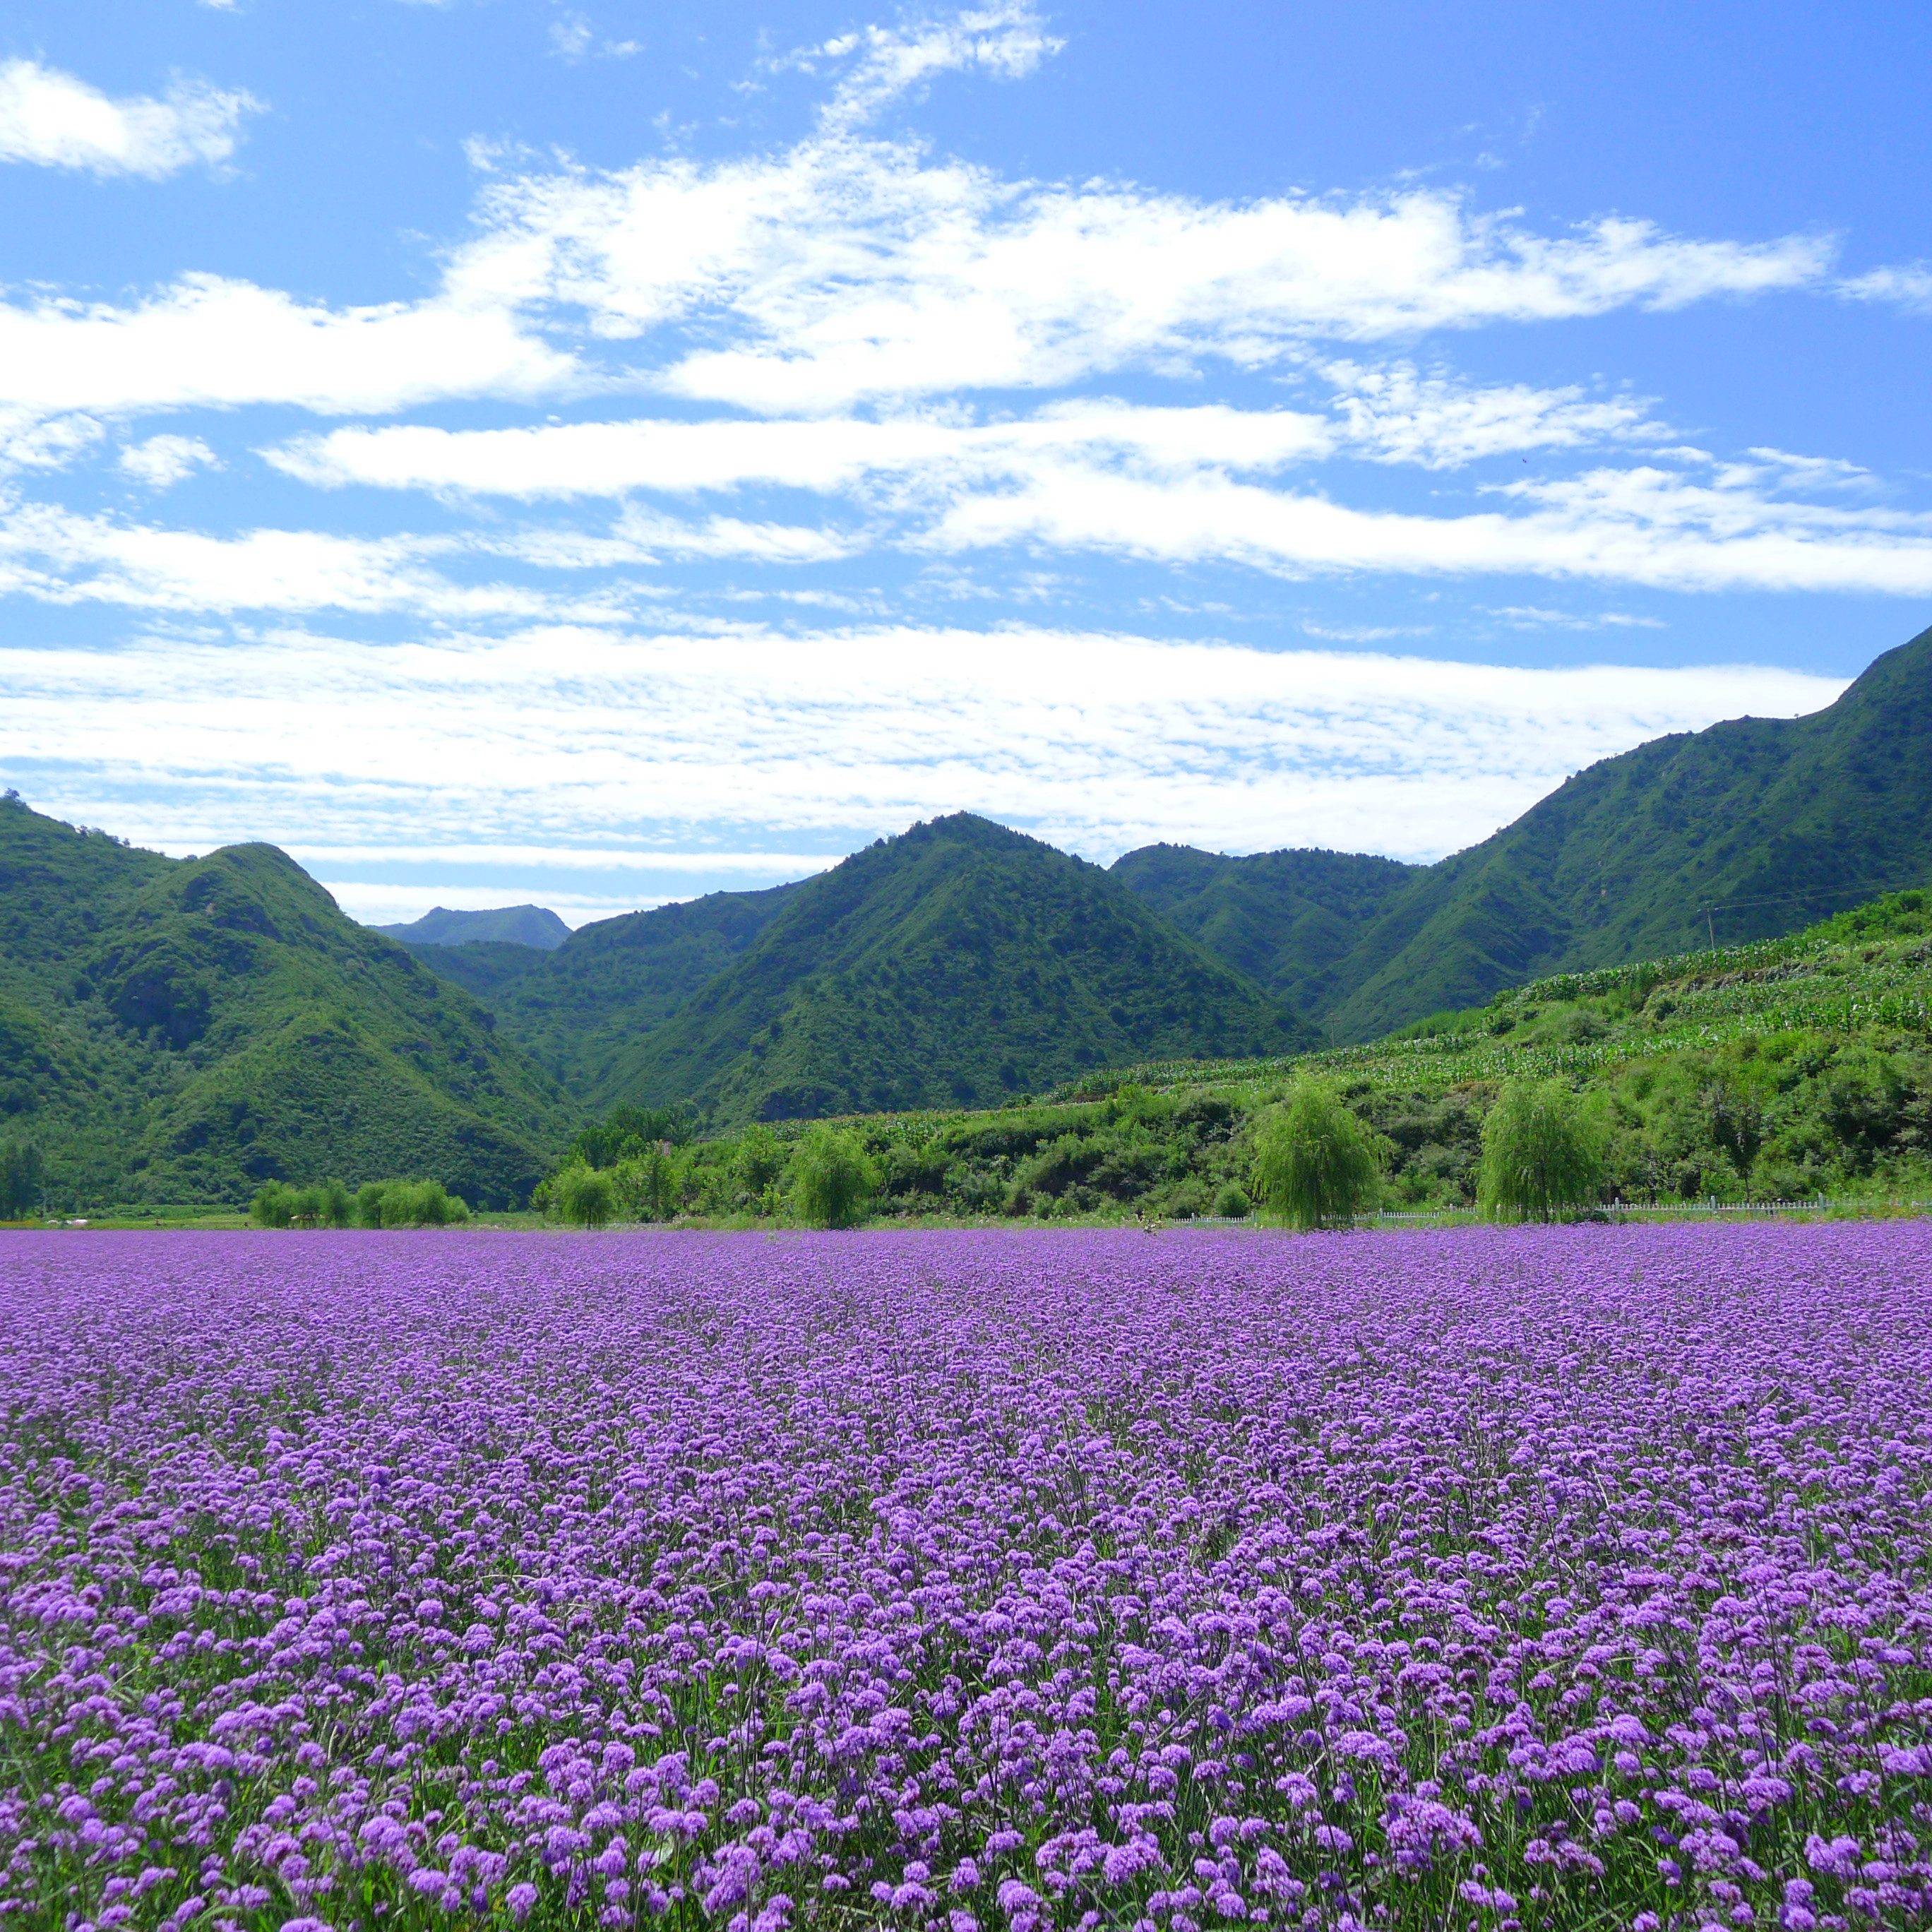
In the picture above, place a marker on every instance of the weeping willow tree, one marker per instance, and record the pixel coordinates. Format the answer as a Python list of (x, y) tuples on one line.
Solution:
[(585, 1196), (1316, 1165), (831, 1178), (1542, 1159)]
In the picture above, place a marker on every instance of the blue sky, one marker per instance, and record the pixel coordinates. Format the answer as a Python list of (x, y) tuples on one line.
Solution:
[(508, 450)]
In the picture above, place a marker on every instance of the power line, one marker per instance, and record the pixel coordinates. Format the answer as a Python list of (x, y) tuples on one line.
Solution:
[(1785, 898)]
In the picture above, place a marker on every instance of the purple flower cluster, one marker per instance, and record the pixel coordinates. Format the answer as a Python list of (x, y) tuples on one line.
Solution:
[(983, 1581)]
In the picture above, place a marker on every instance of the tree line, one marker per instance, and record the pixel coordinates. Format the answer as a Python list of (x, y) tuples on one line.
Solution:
[(1312, 1163)]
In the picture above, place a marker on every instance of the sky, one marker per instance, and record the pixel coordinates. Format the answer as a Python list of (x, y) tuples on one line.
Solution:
[(508, 451)]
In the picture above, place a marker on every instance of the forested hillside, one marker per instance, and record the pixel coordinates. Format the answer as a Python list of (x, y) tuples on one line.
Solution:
[(959, 962), (1782, 1069), (179, 1031), (1752, 828)]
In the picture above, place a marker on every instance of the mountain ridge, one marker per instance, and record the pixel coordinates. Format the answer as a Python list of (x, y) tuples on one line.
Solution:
[(182, 1030), (1755, 819)]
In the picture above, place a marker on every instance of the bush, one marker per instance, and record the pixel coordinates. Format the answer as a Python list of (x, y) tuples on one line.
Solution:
[(1315, 1164), (1232, 1203), (584, 1197), (831, 1178), (1541, 1158)]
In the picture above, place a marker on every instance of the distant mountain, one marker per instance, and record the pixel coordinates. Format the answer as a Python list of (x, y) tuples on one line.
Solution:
[(1749, 830), (508, 925), (178, 1030), (955, 964)]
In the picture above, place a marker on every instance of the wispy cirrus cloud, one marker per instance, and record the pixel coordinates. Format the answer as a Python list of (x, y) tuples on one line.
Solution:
[(54, 119)]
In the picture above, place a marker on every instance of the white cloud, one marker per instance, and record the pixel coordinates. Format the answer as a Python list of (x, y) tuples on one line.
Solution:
[(209, 341), (570, 38), (844, 270), (609, 458), (1395, 415), (57, 556), (55, 120), (779, 865), (29, 441), (562, 736), (1909, 285), (1642, 526), (1533, 617), (162, 461), (885, 64)]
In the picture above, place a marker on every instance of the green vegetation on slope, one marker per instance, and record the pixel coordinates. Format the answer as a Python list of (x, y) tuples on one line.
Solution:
[(1746, 830), (1288, 919), (1780, 1069), (957, 962), (181, 1030)]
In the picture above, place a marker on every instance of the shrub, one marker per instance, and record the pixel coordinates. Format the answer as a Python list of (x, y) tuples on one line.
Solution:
[(1232, 1203), (1315, 1164), (831, 1178), (1541, 1158), (585, 1197)]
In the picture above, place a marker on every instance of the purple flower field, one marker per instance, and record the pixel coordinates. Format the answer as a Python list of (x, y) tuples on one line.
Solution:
[(1568, 1578)]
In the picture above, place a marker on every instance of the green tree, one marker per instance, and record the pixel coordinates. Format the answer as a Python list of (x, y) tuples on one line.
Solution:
[(20, 1178), (759, 1161), (1316, 1165), (585, 1196), (831, 1178), (274, 1205), (1542, 1157), (650, 1186)]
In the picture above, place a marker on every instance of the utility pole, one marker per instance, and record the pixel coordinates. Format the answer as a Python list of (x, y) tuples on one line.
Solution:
[(1710, 927)]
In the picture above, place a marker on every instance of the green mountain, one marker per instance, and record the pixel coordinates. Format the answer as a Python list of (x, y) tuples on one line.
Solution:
[(1739, 832), (514, 926), (960, 960), (175, 1031)]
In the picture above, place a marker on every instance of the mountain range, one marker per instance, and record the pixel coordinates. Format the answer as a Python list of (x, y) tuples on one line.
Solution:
[(179, 1029)]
